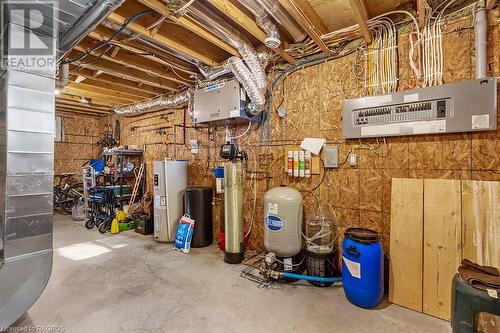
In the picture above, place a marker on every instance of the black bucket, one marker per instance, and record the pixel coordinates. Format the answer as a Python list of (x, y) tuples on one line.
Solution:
[(321, 265)]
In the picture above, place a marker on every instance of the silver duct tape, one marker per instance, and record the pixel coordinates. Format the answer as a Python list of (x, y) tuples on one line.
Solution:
[(159, 103), (246, 78)]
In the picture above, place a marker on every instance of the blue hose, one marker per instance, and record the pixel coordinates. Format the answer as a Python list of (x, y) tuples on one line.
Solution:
[(311, 278)]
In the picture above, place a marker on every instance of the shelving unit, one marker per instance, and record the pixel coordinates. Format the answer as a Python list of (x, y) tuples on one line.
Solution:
[(118, 175)]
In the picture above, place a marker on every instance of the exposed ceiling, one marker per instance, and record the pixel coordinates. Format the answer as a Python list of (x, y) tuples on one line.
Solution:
[(159, 52), (337, 14)]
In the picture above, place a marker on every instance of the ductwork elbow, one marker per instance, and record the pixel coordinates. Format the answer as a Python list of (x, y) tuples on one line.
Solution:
[(273, 39), (212, 73)]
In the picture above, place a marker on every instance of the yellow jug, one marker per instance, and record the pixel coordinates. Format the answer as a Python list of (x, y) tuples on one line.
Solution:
[(115, 228)]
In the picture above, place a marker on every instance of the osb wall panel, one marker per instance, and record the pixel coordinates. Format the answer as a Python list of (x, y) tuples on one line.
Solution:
[(351, 197), (79, 143)]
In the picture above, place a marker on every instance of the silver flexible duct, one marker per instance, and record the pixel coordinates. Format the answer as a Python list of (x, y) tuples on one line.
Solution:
[(255, 72), (242, 74), (282, 18), (163, 102), (86, 23), (212, 73)]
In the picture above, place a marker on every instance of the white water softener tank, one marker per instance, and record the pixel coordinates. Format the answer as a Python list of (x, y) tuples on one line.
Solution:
[(283, 221)]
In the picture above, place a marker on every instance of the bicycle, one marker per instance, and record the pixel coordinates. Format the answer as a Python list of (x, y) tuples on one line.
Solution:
[(67, 193)]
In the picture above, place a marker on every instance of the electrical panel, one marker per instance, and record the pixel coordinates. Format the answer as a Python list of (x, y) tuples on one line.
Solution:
[(221, 102), (456, 107)]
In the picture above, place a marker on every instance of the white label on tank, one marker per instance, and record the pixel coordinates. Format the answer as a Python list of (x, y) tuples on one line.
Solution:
[(163, 201), (275, 223), (481, 121), (287, 264), (234, 113), (353, 267), (272, 208)]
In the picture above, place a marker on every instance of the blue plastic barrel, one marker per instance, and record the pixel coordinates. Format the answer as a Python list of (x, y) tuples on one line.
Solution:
[(362, 267)]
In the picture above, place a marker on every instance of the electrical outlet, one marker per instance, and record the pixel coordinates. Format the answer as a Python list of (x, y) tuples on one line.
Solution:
[(352, 159)]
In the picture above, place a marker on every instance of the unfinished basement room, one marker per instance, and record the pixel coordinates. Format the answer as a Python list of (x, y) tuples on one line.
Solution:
[(249, 166)]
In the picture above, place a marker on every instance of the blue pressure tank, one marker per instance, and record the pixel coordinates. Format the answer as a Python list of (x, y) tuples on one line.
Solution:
[(362, 267)]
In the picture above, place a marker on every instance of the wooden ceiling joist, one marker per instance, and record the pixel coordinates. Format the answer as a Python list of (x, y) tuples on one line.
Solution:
[(81, 108), (248, 23), (106, 91), (132, 74), (95, 101), (102, 33), (105, 85), (118, 81), (308, 19), (421, 13), (84, 92), (71, 111), (90, 105), (164, 40), (490, 4), (135, 62), (361, 15), (187, 23)]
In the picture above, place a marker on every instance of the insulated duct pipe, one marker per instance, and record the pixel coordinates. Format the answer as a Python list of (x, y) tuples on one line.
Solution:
[(273, 39), (282, 18), (86, 23), (163, 102), (481, 30), (255, 72)]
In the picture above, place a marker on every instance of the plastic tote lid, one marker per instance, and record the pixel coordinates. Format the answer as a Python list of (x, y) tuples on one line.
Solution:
[(362, 235)]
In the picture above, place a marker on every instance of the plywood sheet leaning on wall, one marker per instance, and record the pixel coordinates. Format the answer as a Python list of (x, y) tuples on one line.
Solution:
[(442, 243), (480, 233), (405, 276)]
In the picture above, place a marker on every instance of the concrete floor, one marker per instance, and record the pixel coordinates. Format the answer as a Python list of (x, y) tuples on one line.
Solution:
[(129, 283)]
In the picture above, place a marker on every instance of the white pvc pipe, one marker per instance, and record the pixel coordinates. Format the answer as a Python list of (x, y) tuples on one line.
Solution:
[(481, 31)]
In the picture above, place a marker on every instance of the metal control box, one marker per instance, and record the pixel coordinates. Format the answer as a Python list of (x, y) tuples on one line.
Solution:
[(221, 102), (466, 106)]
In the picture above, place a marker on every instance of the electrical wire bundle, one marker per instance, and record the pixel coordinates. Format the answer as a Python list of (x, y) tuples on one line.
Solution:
[(381, 69)]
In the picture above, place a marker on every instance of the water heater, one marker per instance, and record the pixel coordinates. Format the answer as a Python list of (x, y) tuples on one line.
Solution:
[(169, 185), (283, 221)]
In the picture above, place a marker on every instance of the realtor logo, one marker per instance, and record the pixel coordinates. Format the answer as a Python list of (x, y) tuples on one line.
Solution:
[(29, 34)]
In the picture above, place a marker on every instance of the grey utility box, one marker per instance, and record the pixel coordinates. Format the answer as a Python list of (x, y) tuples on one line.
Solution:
[(467, 106), (221, 102)]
